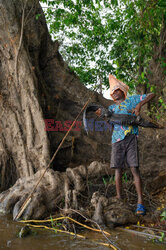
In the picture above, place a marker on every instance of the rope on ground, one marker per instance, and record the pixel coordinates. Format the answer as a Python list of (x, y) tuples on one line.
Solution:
[(57, 230), (73, 234), (103, 232), (62, 218)]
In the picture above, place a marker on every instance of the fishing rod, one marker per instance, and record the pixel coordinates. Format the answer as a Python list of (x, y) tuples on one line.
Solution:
[(29, 198)]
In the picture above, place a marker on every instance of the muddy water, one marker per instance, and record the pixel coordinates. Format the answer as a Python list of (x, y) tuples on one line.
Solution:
[(50, 240)]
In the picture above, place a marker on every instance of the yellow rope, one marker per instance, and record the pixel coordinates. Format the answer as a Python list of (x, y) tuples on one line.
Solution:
[(107, 245), (62, 218), (73, 234), (58, 230)]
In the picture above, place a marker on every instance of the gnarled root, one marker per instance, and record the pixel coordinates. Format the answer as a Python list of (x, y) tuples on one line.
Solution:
[(45, 199), (56, 190), (99, 202)]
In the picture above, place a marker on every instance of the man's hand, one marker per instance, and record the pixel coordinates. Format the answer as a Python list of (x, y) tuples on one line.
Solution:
[(137, 109), (98, 112)]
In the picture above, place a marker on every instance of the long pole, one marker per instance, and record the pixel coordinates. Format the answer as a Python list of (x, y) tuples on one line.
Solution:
[(28, 200)]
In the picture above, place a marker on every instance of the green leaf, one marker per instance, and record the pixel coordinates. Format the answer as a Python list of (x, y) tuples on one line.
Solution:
[(104, 181), (142, 75), (37, 16), (108, 37), (162, 3), (114, 2), (161, 239), (163, 214)]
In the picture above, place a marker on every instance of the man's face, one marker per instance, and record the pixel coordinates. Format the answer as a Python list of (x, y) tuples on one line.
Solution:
[(118, 95)]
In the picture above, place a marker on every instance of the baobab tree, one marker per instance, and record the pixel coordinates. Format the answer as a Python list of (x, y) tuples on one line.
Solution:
[(37, 85)]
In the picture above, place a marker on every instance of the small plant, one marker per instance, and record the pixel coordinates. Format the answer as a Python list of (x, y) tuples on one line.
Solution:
[(161, 239), (37, 16), (163, 215), (104, 181), (124, 178), (112, 179), (53, 224)]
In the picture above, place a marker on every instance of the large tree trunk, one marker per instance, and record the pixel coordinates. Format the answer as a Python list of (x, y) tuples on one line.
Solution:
[(24, 143), (36, 84)]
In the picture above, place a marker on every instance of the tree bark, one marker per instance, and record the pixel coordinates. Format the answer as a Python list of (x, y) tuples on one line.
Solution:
[(35, 84), (24, 143)]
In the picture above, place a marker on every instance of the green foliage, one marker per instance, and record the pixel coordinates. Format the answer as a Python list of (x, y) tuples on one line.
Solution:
[(55, 225), (110, 180), (124, 178), (163, 216), (37, 16), (104, 181), (161, 239), (157, 110), (101, 37)]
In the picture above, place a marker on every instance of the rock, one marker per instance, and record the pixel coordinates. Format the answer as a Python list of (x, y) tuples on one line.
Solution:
[(99, 202), (118, 213), (25, 231), (112, 212)]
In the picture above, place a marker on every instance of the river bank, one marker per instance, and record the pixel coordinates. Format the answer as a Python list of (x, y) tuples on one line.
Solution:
[(140, 236), (43, 239)]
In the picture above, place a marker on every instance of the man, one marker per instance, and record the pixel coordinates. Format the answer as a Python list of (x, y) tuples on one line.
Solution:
[(124, 138)]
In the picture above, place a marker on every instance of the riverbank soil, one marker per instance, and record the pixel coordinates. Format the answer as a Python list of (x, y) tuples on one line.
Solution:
[(37, 90), (91, 191)]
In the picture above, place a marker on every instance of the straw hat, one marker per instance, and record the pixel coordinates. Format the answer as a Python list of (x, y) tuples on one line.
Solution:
[(117, 84)]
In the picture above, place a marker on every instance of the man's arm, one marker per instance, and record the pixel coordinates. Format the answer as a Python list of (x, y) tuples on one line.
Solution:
[(137, 109), (99, 111)]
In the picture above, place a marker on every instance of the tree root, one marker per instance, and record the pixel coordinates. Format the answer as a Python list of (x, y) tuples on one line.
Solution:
[(55, 190)]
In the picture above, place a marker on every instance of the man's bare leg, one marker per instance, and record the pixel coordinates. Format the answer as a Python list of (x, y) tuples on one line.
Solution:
[(118, 182), (137, 182)]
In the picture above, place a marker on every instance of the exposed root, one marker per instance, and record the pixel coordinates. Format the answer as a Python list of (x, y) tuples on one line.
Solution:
[(66, 192), (55, 190), (99, 202)]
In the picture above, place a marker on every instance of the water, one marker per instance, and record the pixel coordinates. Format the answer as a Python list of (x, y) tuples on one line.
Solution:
[(48, 240)]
